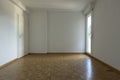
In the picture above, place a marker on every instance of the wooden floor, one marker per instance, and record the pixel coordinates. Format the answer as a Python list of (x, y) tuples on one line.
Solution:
[(58, 67)]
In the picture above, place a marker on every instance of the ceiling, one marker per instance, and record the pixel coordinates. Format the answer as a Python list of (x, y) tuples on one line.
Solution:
[(57, 4)]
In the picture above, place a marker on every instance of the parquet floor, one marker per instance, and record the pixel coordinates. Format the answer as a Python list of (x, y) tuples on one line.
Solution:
[(58, 67)]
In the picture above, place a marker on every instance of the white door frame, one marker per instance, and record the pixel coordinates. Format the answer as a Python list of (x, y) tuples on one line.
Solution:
[(20, 36), (86, 34)]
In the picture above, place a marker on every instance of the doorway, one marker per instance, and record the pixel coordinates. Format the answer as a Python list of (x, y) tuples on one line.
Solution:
[(88, 32)]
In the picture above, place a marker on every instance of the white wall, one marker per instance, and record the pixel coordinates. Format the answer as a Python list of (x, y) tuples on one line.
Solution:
[(52, 31), (66, 32), (106, 42), (8, 48), (8, 31), (38, 31)]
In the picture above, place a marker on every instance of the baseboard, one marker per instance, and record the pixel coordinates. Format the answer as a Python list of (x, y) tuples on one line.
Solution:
[(36, 53), (66, 52), (59, 53), (8, 63), (116, 70)]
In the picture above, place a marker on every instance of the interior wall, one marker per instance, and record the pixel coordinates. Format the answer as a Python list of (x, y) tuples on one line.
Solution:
[(38, 31), (8, 31), (66, 31), (106, 41), (8, 40), (60, 31)]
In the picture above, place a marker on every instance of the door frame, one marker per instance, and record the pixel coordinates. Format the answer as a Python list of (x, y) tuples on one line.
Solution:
[(20, 46), (91, 12), (17, 25)]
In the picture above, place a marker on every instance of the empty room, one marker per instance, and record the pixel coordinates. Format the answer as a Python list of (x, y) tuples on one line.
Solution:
[(59, 40)]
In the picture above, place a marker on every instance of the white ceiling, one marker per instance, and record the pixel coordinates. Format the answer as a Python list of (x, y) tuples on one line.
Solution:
[(57, 4)]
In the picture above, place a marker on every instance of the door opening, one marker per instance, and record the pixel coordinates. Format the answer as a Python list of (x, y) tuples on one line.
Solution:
[(88, 32)]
